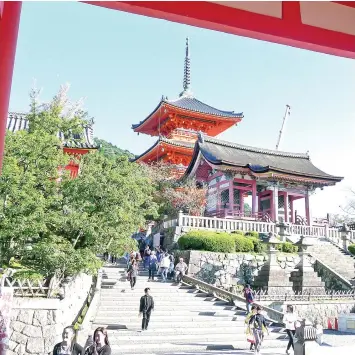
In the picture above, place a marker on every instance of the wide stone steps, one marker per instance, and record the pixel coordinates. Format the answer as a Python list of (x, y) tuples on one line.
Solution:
[(194, 346), (184, 319)]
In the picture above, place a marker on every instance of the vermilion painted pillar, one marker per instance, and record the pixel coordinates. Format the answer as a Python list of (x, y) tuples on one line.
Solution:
[(253, 203), (307, 208), (287, 212), (9, 23), (292, 210)]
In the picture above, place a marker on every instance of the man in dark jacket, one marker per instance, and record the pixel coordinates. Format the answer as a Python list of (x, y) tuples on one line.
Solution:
[(146, 307)]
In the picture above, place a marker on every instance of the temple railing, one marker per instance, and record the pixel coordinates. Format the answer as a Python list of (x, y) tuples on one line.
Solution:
[(224, 224)]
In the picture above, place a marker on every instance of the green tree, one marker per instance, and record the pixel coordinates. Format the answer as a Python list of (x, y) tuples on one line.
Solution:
[(111, 151), (51, 223)]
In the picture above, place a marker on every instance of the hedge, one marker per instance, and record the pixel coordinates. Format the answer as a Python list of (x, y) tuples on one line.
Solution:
[(208, 241), (252, 234), (287, 247), (243, 244), (351, 248)]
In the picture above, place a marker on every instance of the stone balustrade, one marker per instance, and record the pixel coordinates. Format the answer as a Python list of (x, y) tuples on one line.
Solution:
[(334, 235)]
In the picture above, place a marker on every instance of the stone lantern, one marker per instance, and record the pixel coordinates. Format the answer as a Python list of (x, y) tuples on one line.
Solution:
[(345, 236), (305, 279)]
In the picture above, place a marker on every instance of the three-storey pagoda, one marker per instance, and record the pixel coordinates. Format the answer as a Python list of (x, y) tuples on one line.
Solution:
[(177, 122)]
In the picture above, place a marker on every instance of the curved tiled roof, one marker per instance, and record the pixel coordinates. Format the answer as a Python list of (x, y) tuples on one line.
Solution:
[(192, 104), (17, 121), (257, 160), (172, 142)]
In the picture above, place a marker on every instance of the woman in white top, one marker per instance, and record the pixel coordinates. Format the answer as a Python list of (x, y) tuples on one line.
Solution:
[(290, 320)]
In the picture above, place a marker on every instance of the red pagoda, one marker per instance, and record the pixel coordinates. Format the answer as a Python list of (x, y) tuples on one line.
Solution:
[(77, 146), (178, 122)]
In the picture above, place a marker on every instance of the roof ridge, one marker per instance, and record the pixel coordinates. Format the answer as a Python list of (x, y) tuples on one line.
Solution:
[(254, 149)]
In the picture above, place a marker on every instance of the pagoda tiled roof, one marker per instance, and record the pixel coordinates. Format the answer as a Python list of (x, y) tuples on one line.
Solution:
[(172, 142), (189, 103), (17, 121), (257, 160)]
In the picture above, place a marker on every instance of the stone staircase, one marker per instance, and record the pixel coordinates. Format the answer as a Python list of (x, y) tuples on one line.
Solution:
[(336, 258), (184, 320)]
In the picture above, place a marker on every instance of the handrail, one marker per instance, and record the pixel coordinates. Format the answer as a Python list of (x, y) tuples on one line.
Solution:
[(342, 278), (272, 314)]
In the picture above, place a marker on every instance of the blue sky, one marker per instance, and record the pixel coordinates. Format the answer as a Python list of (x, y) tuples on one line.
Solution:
[(122, 64)]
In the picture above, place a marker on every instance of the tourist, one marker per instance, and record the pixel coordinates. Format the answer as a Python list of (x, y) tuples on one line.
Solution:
[(152, 266), (171, 267), (258, 324), (180, 270), (146, 255), (249, 297), (146, 306), (101, 345), (132, 273), (250, 335), (164, 266), (290, 320), (68, 346), (159, 254)]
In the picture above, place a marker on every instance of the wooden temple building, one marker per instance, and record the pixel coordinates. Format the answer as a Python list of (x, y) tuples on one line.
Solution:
[(177, 122), (78, 145), (187, 128), (274, 180)]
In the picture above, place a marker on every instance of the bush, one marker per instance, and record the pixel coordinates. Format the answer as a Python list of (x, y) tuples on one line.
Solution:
[(238, 232), (28, 275), (208, 241), (243, 244), (287, 247), (351, 249), (252, 234), (259, 246)]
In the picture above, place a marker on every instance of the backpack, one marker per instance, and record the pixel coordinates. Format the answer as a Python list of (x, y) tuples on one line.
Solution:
[(250, 296), (254, 323)]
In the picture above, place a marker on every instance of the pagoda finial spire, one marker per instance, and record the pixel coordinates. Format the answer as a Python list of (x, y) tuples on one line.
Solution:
[(187, 76)]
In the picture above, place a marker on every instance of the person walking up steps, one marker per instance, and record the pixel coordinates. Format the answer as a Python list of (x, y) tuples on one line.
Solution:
[(146, 307), (132, 273), (152, 266), (290, 320), (164, 266), (249, 332), (258, 323), (180, 270), (249, 297)]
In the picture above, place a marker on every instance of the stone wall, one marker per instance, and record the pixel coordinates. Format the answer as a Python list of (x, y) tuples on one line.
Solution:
[(37, 323), (316, 311), (228, 270)]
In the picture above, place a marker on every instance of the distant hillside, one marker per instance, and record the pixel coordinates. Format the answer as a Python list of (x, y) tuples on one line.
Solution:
[(110, 150)]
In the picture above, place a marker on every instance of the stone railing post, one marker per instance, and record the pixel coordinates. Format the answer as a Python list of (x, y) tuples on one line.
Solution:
[(180, 218), (305, 339)]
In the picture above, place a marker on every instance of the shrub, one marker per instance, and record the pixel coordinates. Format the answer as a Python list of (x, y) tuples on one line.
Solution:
[(259, 246), (252, 234), (287, 247), (351, 249), (28, 275), (243, 244), (208, 241), (238, 232)]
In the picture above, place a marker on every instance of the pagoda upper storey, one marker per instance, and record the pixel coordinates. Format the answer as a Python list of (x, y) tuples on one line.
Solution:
[(186, 114), (189, 114)]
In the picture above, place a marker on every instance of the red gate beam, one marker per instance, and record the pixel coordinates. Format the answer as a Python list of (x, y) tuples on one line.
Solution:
[(9, 22), (321, 26)]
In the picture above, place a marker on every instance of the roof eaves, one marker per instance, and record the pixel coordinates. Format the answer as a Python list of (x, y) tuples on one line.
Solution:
[(137, 125), (254, 149)]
